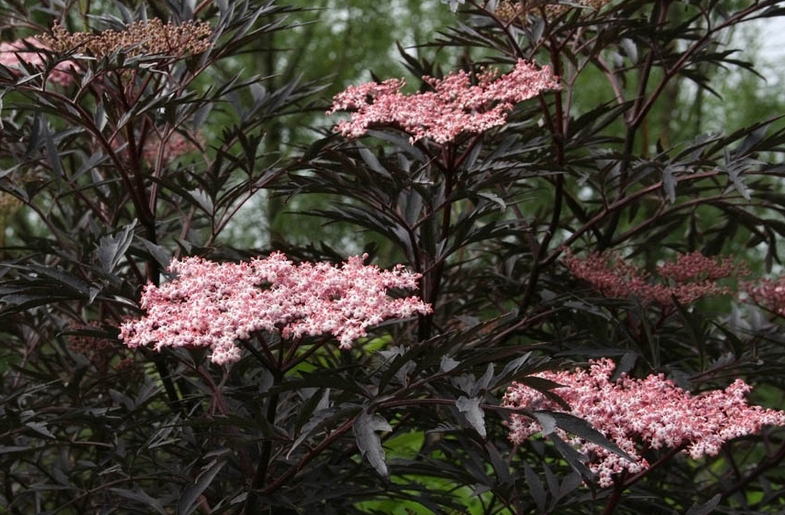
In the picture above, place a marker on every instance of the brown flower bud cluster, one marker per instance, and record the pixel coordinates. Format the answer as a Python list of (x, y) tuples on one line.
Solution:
[(510, 10), (94, 348), (101, 352), (131, 370), (688, 278), (151, 37), (85, 344)]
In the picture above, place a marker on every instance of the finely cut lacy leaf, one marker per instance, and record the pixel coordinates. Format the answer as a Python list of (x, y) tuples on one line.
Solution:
[(369, 442), (473, 413)]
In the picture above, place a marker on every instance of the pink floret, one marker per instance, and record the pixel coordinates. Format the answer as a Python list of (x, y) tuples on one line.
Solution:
[(648, 413), (215, 304), (688, 278), (769, 293), (454, 106)]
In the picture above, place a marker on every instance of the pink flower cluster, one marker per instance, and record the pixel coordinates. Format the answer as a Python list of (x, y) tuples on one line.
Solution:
[(176, 145), (453, 107), (214, 304), (769, 294), (13, 54), (688, 278), (697, 267), (639, 415)]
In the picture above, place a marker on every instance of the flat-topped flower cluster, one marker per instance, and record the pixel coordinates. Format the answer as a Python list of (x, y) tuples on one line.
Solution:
[(512, 10), (454, 106), (688, 278), (149, 37), (769, 293), (213, 304), (639, 414)]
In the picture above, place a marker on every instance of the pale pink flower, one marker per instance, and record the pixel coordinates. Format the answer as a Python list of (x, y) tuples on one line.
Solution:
[(215, 304), (688, 278), (639, 414), (454, 106), (12, 55)]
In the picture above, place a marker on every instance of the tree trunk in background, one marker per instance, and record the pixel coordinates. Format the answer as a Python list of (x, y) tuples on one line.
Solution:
[(669, 104), (272, 137)]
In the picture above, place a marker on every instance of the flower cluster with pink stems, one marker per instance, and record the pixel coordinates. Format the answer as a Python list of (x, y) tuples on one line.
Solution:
[(33, 53), (174, 147), (688, 278), (214, 305), (639, 415), (768, 293), (454, 106)]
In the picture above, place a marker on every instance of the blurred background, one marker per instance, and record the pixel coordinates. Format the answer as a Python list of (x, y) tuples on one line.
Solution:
[(355, 41), (341, 42)]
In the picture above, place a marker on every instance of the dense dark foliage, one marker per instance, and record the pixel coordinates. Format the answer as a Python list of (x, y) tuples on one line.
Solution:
[(96, 203)]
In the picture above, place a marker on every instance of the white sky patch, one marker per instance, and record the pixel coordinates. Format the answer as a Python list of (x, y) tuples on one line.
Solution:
[(768, 39)]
